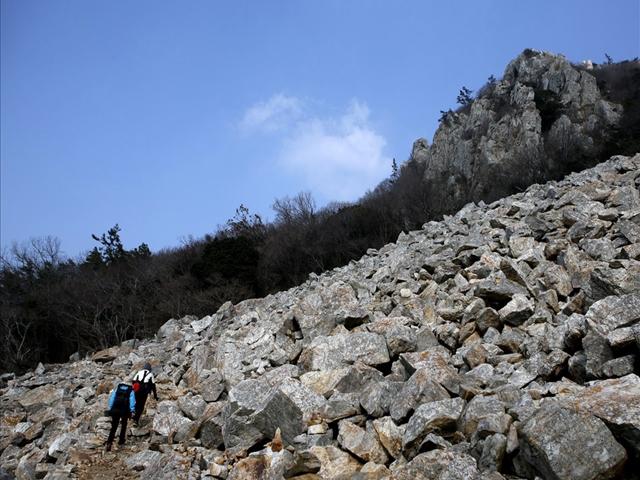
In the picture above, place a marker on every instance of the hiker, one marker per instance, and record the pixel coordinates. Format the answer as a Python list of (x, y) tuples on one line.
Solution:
[(122, 405), (143, 385)]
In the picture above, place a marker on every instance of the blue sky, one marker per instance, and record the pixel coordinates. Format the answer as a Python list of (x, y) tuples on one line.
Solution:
[(166, 116)]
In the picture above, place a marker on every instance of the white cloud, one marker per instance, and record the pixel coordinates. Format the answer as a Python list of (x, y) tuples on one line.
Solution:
[(337, 158), (275, 114)]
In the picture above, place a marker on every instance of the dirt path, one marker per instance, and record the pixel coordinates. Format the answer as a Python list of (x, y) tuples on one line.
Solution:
[(102, 465)]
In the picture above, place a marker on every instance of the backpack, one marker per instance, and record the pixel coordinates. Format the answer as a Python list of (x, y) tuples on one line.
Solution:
[(121, 400), (142, 382)]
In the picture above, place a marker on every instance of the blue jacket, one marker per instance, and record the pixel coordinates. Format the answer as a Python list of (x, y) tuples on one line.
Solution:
[(132, 399)]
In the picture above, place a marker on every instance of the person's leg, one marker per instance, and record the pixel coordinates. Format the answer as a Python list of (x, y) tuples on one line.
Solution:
[(123, 430), (141, 399), (112, 433)]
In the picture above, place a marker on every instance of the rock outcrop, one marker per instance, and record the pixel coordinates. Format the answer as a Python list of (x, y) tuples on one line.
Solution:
[(544, 118), (499, 343)]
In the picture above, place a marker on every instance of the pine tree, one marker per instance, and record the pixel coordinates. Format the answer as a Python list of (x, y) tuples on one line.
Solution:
[(394, 171), (464, 97)]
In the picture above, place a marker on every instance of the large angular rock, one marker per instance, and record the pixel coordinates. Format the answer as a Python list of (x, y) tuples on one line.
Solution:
[(244, 427), (557, 278), (439, 417), (614, 312), (493, 452), (193, 406), (326, 353), (498, 288), (41, 396), (324, 382), (605, 281), (341, 405), (619, 367), (169, 419), (211, 433), (239, 431), (362, 443), (436, 361), (617, 403), (308, 401), (335, 464), (202, 324), (419, 389), (61, 444), (558, 443), (146, 459), (597, 352), (377, 397), (478, 409), (400, 337), (517, 311), (318, 312), (390, 435), (439, 465)]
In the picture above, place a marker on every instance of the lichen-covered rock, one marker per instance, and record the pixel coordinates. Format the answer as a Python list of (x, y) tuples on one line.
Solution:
[(476, 410), (517, 311), (41, 396), (617, 403), (440, 416), (614, 312), (559, 443), (244, 427), (420, 388), (436, 364), (335, 464), (390, 435), (168, 418), (325, 353), (439, 465), (362, 443)]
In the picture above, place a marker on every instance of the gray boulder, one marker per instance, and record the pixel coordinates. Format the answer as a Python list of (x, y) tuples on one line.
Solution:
[(440, 417), (420, 388), (558, 443), (438, 465), (362, 443), (617, 403), (326, 353)]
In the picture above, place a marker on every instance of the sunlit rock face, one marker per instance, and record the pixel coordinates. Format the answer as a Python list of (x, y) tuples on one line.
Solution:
[(544, 118)]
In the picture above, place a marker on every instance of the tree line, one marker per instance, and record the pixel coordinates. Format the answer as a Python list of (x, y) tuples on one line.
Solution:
[(52, 306)]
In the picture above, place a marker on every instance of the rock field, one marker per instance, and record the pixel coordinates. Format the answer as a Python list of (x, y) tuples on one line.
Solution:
[(499, 343)]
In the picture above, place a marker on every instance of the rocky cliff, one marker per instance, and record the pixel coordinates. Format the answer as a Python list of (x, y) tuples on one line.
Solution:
[(499, 343), (544, 118)]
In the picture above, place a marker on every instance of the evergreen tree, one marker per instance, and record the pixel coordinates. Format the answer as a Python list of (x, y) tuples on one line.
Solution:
[(464, 97), (394, 171)]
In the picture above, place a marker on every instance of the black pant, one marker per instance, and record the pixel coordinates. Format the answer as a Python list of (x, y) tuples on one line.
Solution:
[(115, 418), (141, 399)]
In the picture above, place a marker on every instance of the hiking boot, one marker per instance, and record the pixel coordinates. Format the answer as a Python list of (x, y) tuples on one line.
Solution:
[(108, 447)]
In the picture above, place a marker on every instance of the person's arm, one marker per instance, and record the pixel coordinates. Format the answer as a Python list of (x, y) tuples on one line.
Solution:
[(153, 389), (132, 402), (112, 398)]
